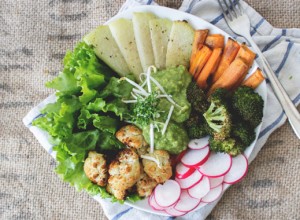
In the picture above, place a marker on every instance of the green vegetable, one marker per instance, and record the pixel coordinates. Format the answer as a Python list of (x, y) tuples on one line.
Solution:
[(196, 96), (243, 132), (86, 115), (218, 116), (249, 105), (230, 146), (197, 126)]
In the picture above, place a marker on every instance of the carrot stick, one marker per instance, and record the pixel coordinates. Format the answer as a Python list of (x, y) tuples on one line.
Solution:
[(209, 66), (230, 52), (200, 60), (246, 54), (199, 39), (255, 79), (215, 41), (231, 75)]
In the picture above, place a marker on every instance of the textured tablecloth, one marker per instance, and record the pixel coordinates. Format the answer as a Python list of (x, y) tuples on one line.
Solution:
[(34, 36)]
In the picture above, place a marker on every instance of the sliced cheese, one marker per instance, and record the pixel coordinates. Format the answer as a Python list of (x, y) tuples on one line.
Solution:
[(142, 35), (107, 49), (180, 44), (122, 31), (160, 30)]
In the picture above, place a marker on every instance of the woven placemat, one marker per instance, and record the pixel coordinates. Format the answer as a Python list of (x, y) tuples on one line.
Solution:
[(34, 36)]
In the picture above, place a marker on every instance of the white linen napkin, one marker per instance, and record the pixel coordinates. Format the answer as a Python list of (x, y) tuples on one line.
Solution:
[(284, 43)]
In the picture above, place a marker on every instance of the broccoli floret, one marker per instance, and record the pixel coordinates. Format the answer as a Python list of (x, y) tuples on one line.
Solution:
[(243, 133), (196, 96), (220, 97), (196, 126), (230, 146), (249, 105), (218, 116)]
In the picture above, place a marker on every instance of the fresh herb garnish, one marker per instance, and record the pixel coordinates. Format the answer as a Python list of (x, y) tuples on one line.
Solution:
[(145, 109)]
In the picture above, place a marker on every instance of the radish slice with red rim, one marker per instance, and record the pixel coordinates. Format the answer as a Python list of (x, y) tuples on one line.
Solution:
[(218, 164), (190, 181), (213, 194), (186, 203), (178, 159), (183, 171), (153, 203), (238, 169), (194, 158), (200, 189), (167, 194), (173, 212), (217, 181), (197, 144)]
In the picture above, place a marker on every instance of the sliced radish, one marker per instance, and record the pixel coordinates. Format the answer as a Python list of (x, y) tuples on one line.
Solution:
[(178, 158), (213, 194), (197, 144), (190, 181), (194, 158), (200, 189), (174, 212), (153, 203), (217, 181), (183, 171), (167, 194), (238, 169), (186, 203), (218, 164)]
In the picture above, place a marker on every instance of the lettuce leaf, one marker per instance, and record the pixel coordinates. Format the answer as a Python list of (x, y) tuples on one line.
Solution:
[(86, 115)]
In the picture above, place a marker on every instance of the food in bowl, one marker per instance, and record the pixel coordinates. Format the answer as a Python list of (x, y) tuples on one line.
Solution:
[(150, 107)]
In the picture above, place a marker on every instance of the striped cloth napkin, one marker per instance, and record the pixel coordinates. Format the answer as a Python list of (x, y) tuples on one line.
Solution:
[(283, 43)]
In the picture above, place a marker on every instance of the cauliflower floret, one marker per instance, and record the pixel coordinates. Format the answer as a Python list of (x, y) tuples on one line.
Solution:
[(95, 168), (162, 173), (131, 136), (145, 184), (124, 173)]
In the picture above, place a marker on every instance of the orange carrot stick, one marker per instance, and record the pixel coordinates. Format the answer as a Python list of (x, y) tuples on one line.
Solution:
[(246, 54), (209, 66), (199, 39), (255, 79), (231, 75), (201, 58), (215, 41), (230, 52)]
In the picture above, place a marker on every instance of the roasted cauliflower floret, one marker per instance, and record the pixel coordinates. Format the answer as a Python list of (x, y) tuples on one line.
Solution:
[(143, 150), (131, 136), (124, 172), (145, 184), (159, 173), (95, 168)]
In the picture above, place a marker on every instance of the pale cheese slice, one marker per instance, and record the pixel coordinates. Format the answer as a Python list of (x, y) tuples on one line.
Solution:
[(142, 35), (107, 49), (180, 44), (122, 31), (160, 31)]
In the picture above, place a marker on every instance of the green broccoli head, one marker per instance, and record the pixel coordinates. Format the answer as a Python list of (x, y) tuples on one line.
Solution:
[(243, 133), (218, 116), (230, 146), (249, 105), (196, 96), (196, 126), (220, 97)]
